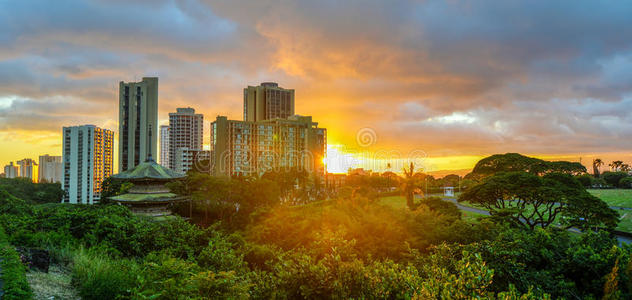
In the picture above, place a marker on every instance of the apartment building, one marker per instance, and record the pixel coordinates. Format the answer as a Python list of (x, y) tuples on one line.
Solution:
[(88, 159)]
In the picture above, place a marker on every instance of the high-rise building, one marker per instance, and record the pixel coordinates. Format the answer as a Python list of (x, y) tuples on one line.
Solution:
[(267, 101), (253, 148), (11, 171), (188, 159), (186, 130), (28, 169), (138, 114), (51, 169), (88, 160), (164, 145)]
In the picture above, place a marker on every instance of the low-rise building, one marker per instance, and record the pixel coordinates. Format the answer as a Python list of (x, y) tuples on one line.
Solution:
[(11, 170), (51, 169)]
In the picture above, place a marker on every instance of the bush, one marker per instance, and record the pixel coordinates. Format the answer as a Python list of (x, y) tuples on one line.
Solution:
[(98, 276), (165, 277), (613, 178), (625, 183), (586, 180), (13, 273)]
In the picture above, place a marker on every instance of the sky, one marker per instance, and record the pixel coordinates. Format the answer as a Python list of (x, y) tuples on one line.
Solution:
[(447, 81)]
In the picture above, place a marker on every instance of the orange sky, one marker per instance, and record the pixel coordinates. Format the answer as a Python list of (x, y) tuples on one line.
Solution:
[(455, 81)]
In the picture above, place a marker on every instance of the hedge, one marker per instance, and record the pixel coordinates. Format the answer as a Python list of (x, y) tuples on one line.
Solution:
[(13, 272)]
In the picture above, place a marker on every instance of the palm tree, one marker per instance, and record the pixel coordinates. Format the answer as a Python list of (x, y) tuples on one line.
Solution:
[(625, 168), (410, 185), (596, 164), (616, 165)]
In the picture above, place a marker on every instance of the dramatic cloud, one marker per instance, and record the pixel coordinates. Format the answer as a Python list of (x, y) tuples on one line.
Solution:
[(452, 78)]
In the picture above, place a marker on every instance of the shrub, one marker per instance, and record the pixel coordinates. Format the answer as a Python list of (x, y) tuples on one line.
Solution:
[(13, 272), (625, 183), (613, 178), (586, 180), (98, 276), (165, 277)]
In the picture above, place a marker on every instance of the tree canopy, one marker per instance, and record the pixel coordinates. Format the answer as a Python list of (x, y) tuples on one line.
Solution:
[(514, 162), (531, 201)]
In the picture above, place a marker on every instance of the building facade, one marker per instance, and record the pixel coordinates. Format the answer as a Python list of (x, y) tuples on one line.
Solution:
[(267, 101), (11, 171), (187, 159), (138, 114), (186, 130), (88, 159), (253, 148), (28, 168), (51, 169), (164, 145)]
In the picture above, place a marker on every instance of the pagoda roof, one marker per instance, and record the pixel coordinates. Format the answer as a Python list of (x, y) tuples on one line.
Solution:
[(148, 198), (149, 170)]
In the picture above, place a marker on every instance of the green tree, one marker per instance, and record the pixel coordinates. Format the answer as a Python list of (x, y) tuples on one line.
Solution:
[(531, 201), (111, 187), (586, 180), (613, 178), (625, 182), (513, 162)]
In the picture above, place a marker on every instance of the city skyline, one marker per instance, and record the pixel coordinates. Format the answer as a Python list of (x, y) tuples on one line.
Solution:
[(560, 92)]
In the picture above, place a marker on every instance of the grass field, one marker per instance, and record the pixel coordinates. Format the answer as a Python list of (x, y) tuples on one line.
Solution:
[(399, 202), (626, 220), (614, 197)]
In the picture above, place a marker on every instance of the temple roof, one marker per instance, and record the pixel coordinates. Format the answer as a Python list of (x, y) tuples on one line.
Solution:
[(148, 198), (149, 170)]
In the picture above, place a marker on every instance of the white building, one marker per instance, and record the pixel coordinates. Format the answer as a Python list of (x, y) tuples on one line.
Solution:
[(164, 146), (185, 159), (28, 169), (185, 131), (11, 171), (88, 160), (51, 169)]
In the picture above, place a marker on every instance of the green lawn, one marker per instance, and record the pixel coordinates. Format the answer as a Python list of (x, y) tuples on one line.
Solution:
[(626, 220), (399, 202), (614, 197)]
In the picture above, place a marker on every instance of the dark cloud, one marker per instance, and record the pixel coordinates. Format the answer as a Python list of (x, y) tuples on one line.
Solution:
[(446, 76)]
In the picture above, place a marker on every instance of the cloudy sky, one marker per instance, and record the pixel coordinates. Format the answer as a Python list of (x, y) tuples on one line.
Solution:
[(455, 79)]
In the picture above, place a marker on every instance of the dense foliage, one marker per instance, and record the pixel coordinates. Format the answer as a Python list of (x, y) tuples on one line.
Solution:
[(271, 237), (34, 193), (12, 275), (514, 162)]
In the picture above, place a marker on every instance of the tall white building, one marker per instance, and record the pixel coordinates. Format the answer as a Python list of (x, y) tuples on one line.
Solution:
[(88, 160), (11, 171), (51, 169), (138, 113), (186, 130), (28, 169), (164, 145)]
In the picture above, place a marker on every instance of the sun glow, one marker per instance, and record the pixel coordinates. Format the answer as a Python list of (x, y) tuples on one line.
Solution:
[(340, 159)]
